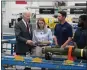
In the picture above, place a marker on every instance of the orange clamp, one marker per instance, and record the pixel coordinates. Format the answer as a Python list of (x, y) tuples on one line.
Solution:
[(70, 57)]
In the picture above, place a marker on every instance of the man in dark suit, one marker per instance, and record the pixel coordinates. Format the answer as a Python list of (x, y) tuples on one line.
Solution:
[(23, 32)]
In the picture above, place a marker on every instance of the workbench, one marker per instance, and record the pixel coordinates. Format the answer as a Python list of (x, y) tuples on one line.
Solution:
[(51, 64)]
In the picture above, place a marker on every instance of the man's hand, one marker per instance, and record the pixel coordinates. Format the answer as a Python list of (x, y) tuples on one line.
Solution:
[(62, 46), (66, 43), (30, 42)]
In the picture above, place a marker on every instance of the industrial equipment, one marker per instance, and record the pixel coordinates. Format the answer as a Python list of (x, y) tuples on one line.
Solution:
[(81, 53), (58, 64)]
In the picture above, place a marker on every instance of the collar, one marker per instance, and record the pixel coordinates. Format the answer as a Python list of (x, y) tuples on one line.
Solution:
[(63, 23), (23, 21)]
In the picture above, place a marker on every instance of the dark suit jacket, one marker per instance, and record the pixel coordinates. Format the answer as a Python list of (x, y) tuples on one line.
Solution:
[(22, 35)]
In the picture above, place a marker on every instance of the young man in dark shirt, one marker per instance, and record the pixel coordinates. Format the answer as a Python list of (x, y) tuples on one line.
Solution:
[(80, 37), (63, 31)]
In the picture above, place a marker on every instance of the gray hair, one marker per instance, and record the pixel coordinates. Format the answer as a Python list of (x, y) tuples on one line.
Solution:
[(25, 13)]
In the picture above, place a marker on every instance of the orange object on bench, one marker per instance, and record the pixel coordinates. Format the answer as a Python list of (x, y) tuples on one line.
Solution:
[(70, 57), (18, 58)]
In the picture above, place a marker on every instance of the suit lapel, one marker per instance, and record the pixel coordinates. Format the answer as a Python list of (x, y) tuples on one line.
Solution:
[(30, 27), (23, 25)]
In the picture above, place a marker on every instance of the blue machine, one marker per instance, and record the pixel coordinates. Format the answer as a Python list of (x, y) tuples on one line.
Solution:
[(51, 64)]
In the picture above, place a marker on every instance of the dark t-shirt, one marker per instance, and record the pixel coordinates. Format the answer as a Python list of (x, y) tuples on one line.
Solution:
[(62, 32), (80, 38)]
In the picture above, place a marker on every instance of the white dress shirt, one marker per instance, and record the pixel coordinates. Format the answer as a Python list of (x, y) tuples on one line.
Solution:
[(25, 24), (39, 36)]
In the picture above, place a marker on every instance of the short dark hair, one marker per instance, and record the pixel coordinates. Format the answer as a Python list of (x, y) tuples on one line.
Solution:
[(83, 17), (63, 13)]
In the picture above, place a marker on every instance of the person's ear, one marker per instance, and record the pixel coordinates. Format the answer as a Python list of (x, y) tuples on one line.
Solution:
[(64, 17)]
